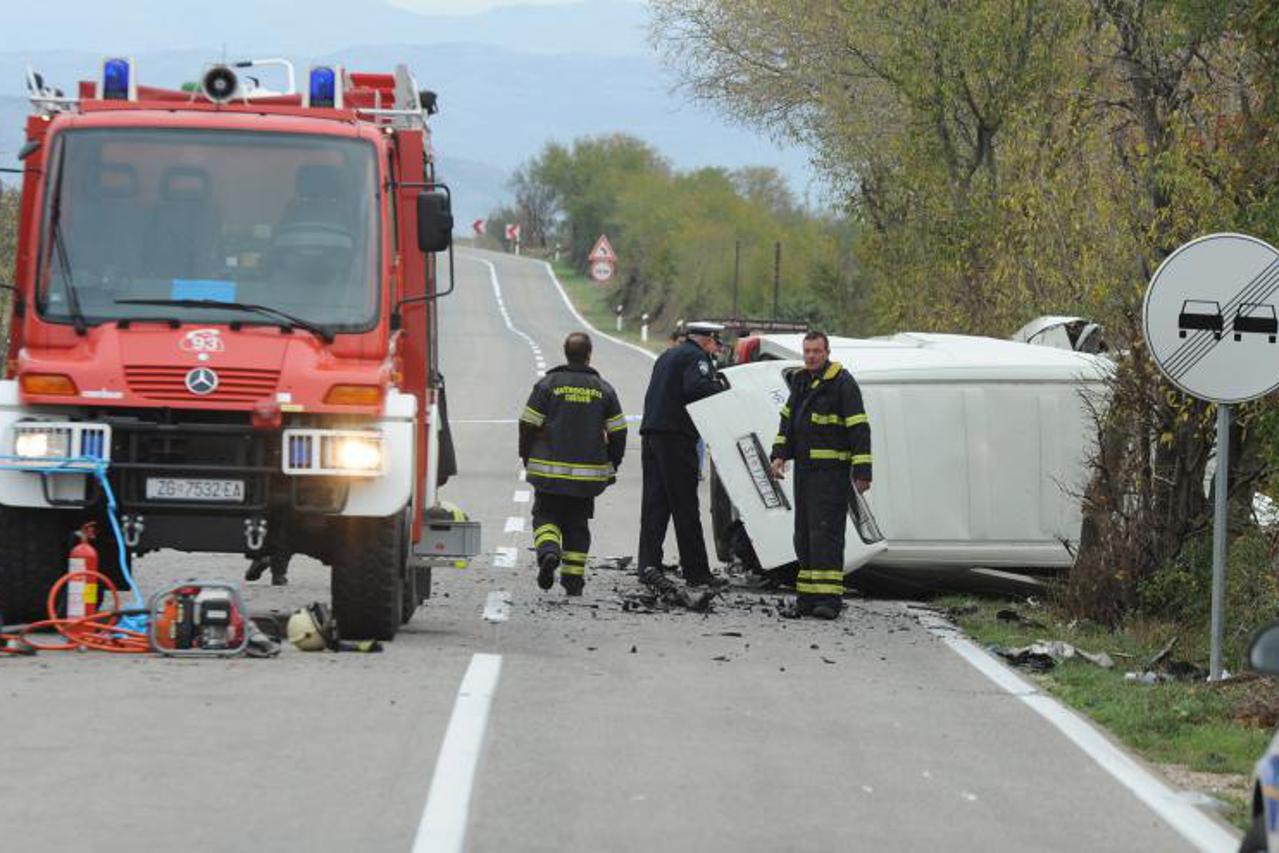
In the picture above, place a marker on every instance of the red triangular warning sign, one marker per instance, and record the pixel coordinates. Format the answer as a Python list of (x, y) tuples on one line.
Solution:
[(603, 250)]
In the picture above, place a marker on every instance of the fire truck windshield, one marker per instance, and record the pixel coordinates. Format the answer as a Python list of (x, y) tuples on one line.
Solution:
[(283, 221)]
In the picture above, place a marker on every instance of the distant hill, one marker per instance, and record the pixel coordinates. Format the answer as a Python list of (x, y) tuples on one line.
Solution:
[(518, 76)]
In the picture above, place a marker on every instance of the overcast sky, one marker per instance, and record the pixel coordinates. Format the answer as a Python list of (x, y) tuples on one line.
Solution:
[(466, 7)]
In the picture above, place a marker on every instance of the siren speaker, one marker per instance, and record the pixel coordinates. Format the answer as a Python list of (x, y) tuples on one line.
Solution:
[(219, 84)]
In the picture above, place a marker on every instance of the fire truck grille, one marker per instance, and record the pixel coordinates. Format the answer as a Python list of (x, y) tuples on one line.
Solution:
[(234, 385)]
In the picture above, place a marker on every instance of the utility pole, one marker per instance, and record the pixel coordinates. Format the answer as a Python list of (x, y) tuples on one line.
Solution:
[(737, 273), (777, 275)]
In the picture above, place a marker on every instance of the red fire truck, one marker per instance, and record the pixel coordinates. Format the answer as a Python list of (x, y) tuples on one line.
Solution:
[(226, 294)]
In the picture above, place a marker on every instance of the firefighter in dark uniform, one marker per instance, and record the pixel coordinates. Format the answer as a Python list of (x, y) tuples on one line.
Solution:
[(572, 439), (683, 374), (824, 428)]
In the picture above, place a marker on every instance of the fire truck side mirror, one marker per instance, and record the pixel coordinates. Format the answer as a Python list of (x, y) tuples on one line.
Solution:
[(434, 221)]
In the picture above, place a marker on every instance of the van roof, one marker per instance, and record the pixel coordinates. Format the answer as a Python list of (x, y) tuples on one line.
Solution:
[(923, 356)]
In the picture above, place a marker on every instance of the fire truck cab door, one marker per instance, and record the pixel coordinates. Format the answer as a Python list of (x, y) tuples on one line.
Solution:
[(738, 426)]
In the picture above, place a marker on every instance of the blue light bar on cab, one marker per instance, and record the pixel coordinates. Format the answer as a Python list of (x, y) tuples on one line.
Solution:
[(117, 80), (323, 88)]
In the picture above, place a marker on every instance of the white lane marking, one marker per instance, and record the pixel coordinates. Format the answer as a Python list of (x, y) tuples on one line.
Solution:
[(497, 607), (484, 421), (521, 497), (594, 331), (514, 524), (442, 828), (1193, 825), (539, 363), (521, 475), (504, 558)]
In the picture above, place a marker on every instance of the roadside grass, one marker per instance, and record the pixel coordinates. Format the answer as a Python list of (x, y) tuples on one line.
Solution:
[(1216, 729), (593, 301)]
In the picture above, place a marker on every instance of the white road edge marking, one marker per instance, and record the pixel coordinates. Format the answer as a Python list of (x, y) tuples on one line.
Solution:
[(1193, 825), (483, 421), (514, 524), (504, 558), (497, 607), (442, 828), (573, 310), (521, 497), (539, 362)]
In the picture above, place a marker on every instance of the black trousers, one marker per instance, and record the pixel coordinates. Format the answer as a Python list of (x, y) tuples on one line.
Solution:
[(561, 524), (821, 506), (669, 461)]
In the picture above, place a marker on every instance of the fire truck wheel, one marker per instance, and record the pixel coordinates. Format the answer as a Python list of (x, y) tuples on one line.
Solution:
[(33, 555), (367, 579)]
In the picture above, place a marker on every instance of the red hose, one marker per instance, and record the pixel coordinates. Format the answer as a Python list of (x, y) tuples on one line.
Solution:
[(95, 631)]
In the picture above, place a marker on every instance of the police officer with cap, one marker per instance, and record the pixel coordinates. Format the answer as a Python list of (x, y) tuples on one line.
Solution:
[(683, 374)]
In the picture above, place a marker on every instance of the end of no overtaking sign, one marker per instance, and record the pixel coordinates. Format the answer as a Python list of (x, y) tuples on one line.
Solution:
[(1210, 318)]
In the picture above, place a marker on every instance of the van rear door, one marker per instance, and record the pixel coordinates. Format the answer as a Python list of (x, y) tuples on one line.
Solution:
[(738, 426)]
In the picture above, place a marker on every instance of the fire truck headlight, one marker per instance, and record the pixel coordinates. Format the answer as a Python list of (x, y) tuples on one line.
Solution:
[(36, 443), (358, 453)]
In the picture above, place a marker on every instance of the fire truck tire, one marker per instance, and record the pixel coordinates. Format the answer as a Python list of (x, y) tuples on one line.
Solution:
[(368, 577), (33, 555), (409, 598)]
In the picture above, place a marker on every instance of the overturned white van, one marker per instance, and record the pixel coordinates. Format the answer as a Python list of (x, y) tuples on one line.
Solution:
[(980, 449)]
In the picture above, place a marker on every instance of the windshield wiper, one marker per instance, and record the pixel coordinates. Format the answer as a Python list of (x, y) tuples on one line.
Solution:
[(288, 320)]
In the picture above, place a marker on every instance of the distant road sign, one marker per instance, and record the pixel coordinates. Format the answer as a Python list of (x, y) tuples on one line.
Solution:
[(478, 227), (1210, 318), (602, 251), (513, 232), (602, 271)]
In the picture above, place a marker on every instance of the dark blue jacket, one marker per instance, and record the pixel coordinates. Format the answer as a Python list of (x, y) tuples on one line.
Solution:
[(572, 432), (683, 374)]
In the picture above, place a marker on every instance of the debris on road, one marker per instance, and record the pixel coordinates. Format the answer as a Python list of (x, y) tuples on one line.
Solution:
[(610, 564), (662, 593)]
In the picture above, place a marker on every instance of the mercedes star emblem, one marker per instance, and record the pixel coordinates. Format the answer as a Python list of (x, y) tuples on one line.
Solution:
[(202, 380)]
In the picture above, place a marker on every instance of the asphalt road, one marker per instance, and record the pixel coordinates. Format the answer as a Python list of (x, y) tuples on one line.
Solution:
[(581, 726)]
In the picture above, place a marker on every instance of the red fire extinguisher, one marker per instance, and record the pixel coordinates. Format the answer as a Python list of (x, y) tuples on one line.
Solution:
[(82, 589)]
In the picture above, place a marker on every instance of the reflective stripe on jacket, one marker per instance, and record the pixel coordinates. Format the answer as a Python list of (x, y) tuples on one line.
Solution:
[(572, 432), (824, 422)]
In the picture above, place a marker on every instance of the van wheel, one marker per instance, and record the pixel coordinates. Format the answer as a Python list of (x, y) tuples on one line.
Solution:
[(368, 577), (33, 555)]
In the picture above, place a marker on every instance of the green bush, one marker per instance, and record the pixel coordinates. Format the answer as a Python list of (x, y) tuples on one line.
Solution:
[(1181, 592)]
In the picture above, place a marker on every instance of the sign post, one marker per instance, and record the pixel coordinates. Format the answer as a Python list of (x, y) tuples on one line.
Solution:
[(1210, 321)]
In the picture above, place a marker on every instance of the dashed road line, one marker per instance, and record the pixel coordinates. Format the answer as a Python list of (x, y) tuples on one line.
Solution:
[(514, 524), (521, 496), (442, 828), (497, 607), (504, 558)]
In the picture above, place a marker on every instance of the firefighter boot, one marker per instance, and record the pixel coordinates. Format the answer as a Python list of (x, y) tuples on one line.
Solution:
[(280, 569), (548, 560), (573, 572), (547, 539)]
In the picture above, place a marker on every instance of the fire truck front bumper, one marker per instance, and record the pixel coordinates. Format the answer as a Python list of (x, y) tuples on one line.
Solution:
[(194, 466)]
